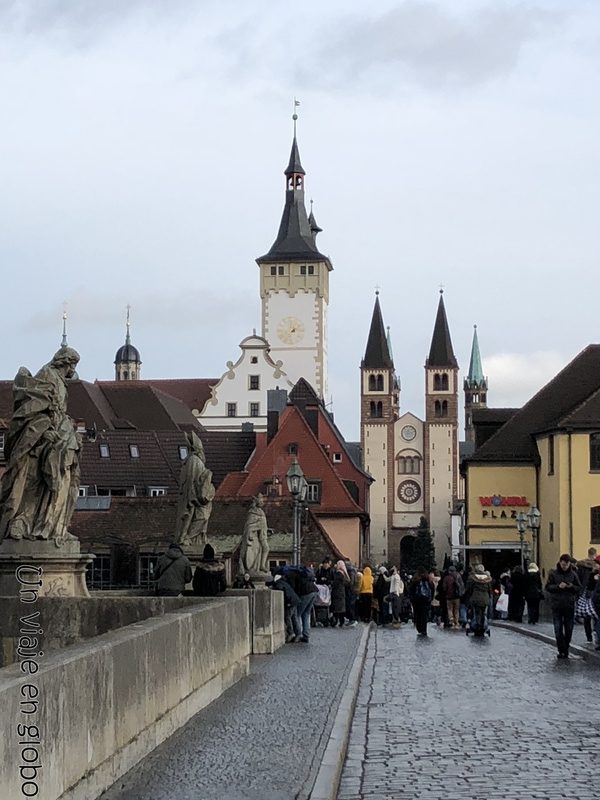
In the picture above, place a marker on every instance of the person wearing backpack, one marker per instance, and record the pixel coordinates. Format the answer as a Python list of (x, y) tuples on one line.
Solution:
[(453, 588), (421, 595), (172, 572)]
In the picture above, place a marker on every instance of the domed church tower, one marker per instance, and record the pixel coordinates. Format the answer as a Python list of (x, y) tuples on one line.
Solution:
[(128, 364)]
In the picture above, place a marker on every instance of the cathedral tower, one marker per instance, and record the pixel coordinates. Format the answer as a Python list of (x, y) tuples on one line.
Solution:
[(441, 433), (475, 387), (294, 287), (379, 404), (128, 363)]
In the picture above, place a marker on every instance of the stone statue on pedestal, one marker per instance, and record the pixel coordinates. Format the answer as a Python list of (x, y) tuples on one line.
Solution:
[(196, 493), (254, 552), (41, 483)]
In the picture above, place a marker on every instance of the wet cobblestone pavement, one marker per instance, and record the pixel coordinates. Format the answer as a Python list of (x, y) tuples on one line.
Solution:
[(451, 717), (263, 739)]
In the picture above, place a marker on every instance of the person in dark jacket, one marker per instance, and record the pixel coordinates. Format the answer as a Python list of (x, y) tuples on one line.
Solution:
[(421, 594), (209, 577), (564, 587), (173, 571), (325, 572), (302, 581), (341, 580), (585, 569), (291, 601), (516, 598), (533, 593), (595, 597), (380, 591), (479, 593)]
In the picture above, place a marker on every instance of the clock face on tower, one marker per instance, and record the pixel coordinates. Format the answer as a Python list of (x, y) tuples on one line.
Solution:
[(290, 330)]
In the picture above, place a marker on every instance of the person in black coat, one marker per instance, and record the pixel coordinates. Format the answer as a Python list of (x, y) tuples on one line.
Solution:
[(341, 580), (516, 598), (564, 588), (421, 594), (533, 593)]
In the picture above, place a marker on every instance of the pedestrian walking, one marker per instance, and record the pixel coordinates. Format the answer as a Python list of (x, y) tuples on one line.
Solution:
[(396, 586), (436, 609), (533, 593), (421, 594), (479, 594), (341, 580), (453, 590), (173, 571), (564, 587), (585, 571), (516, 598), (380, 591), (365, 598), (595, 599)]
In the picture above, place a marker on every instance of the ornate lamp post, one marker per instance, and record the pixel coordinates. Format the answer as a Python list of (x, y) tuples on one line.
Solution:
[(297, 486), (522, 527), (533, 522)]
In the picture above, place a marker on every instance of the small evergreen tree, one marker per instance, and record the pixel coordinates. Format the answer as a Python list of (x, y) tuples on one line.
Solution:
[(423, 553)]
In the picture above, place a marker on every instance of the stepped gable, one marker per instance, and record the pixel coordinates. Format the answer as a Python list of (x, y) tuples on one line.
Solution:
[(550, 409)]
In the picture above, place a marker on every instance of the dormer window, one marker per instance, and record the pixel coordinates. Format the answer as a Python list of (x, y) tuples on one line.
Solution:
[(134, 451), (293, 448), (104, 451)]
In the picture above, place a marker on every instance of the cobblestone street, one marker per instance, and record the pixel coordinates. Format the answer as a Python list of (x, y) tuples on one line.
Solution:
[(264, 738), (452, 717)]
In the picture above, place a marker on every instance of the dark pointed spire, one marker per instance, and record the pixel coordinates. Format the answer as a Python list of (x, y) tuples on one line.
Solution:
[(377, 354), (296, 236), (475, 376), (441, 353), (313, 223)]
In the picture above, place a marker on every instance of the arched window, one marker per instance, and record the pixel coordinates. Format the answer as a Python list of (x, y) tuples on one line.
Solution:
[(372, 383), (444, 408), (437, 382), (372, 409), (444, 382), (379, 409), (437, 408), (379, 381), (401, 465)]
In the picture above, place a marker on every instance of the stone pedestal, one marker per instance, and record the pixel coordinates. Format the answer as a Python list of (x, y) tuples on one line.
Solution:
[(267, 626), (61, 569)]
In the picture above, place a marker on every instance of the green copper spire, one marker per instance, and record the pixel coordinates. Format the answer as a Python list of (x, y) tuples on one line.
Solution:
[(475, 376)]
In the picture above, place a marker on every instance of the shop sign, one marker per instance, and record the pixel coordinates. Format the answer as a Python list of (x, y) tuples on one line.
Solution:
[(499, 506)]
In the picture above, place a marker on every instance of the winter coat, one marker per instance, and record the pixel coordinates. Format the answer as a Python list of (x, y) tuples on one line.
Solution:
[(396, 585), (563, 599), (533, 586), (356, 582), (451, 586), (324, 575), (173, 570), (366, 584), (290, 598), (479, 589), (338, 593), (381, 587), (209, 579), (517, 580), (596, 598), (585, 569), (414, 592)]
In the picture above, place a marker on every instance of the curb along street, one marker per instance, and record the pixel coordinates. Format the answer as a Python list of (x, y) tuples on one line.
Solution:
[(330, 772), (588, 655)]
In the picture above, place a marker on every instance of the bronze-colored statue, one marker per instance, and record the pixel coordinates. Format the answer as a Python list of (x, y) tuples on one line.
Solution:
[(41, 483), (196, 493), (254, 552)]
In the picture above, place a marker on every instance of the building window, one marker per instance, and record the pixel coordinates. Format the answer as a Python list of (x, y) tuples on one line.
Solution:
[(183, 452), (280, 270), (254, 382), (134, 451), (273, 270), (376, 409), (97, 573), (376, 383), (595, 524), (293, 448), (104, 451), (313, 492), (232, 409), (551, 455), (550, 531), (156, 491), (440, 382), (303, 270), (254, 360), (255, 409), (274, 565), (83, 490), (146, 569), (595, 451), (311, 270), (337, 458)]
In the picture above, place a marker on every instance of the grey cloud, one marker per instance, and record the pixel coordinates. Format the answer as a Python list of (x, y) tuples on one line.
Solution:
[(424, 43)]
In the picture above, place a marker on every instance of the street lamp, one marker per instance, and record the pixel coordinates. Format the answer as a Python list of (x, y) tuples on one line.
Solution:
[(522, 527), (297, 486), (533, 522)]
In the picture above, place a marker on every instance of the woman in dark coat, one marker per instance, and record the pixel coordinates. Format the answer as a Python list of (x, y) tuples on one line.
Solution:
[(341, 580), (516, 598), (533, 593), (421, 595)]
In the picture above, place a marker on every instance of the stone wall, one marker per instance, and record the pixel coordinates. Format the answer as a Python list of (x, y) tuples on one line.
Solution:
[(106, 703), (69, 620), (266, 618)]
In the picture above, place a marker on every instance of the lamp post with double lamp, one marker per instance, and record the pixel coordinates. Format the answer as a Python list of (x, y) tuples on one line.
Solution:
[(533, 522), (522, 527), (297, 486)]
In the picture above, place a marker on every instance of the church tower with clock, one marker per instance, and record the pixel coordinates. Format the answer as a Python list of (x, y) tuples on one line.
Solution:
[(294, 287)]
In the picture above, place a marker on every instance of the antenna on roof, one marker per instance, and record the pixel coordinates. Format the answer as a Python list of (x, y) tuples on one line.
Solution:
[(295, 115)]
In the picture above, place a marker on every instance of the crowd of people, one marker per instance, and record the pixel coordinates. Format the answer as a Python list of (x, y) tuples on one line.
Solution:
[(338, 595)]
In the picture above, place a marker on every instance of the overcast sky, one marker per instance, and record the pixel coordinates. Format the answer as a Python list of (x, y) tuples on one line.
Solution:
[(142, 149)]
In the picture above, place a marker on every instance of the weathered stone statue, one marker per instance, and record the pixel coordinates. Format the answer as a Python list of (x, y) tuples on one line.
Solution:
[(41, 483), (196, 493), (254, 552)]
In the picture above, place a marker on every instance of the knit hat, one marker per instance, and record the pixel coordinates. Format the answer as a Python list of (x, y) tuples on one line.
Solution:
[(480, 569), (533, 567), (382, 570)]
